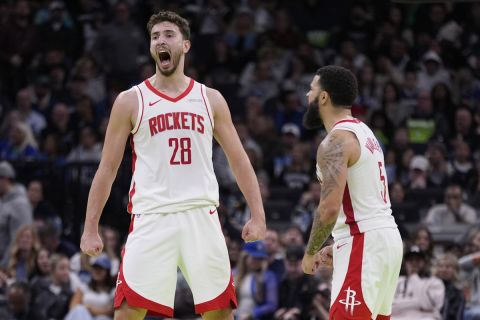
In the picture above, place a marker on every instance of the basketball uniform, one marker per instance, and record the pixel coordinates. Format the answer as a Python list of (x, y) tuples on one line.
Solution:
[(172, 199), (367, 250)]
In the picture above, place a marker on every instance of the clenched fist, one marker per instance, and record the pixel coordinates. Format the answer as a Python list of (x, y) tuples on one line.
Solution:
[(91, 243)]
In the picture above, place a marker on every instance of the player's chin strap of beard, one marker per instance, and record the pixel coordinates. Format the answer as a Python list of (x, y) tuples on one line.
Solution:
[(311, 118)]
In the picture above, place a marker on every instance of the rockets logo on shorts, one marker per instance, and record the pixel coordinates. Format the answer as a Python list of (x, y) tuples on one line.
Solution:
[(350, 301)]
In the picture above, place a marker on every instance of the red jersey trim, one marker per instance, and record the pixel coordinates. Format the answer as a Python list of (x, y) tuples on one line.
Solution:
[(349, 213), (132, 191), (141, 116), (206, 107), (347, 120), (164, 96)]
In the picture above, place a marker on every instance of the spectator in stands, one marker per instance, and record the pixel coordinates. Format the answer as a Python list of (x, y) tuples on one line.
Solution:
[(42, 210), (296, 288), (423, 239), (283, 155), (447, 270), (19, 43), (60, 124), (89, 148), (50, 238), (461, 167), (433, 72), (297, 174), (42, 268), (473, 185), (18, 303), (15, 210), (51, 297), (463, 127), (470, 265), (20, 145), (111, 240), (257, 287), (293, 235), (453, 210), (307, 205), (57, 33), (418, 172), (418, 295), (95, 301), (275, 253), (23, 252), (34, 119), (120, 46), (437, 165)]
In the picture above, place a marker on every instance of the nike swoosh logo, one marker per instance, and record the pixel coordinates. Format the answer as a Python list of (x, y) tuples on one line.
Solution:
[(341, 245), (153, 103), (212, 211)]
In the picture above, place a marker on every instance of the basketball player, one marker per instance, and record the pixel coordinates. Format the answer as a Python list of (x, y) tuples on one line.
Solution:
[(354, 203), (173, 197)]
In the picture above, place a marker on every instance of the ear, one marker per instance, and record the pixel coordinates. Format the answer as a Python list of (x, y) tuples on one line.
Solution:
[(324, 97), (186, 46)]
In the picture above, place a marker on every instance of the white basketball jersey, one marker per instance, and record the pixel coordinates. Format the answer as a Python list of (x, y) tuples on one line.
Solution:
[(172, 151), (366, 203)]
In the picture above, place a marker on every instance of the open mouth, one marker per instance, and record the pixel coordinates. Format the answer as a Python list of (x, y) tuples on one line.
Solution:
[(164, 57)]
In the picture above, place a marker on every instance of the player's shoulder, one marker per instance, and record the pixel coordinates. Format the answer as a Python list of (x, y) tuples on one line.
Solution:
[(213, 94), (128, 97)]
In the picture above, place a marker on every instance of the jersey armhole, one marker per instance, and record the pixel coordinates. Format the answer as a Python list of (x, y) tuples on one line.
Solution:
[(360, 158), (140, 109), (203, 91)]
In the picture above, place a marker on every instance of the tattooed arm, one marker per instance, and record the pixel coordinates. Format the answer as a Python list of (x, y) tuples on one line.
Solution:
[(339, 150)]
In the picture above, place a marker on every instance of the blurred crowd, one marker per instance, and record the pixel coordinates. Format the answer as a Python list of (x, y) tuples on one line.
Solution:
[(62, 64)]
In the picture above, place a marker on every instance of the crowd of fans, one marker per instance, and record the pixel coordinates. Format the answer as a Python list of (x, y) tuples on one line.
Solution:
[(62, 64)]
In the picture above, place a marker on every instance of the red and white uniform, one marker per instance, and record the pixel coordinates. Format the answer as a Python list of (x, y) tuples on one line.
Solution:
[(172, 151), (367, 252), (173, 199)]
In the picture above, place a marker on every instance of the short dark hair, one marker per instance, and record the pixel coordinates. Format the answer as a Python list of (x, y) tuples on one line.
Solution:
[(340, 83), (172, 17)]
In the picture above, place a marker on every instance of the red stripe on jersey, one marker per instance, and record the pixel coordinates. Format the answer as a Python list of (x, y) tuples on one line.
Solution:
[(132, 191), (141, 116), (164, 96), (349, 213), (205, 103), (347, 120)]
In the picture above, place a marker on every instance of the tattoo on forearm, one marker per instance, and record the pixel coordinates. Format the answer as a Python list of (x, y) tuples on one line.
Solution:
[(330, 161), (319, 234)]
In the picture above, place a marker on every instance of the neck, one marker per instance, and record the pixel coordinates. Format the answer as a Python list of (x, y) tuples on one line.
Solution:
[(177, 81), (332, 115)]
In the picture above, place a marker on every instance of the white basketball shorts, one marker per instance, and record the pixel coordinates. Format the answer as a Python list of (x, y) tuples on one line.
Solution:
[(157, 244), (365, 274)]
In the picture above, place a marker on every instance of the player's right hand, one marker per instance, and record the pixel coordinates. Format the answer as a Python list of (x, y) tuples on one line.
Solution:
[(91, 243), (324, 257)]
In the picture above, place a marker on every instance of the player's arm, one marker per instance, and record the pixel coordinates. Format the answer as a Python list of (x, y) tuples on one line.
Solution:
[(334, 155), (227, 137), (118, 130)]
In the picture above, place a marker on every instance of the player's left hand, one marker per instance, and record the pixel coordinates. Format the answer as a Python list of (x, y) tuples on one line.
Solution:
[(254, 230), (309, 264)]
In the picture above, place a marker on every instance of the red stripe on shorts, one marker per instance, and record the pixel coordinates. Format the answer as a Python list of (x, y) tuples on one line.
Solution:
[(225, 300), (349, 303)]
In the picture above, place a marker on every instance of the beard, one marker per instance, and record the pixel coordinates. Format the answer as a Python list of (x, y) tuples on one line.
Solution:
[(311, 118), (174, 61)]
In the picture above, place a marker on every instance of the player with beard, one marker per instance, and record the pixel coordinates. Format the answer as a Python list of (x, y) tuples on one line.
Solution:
[(354, 204), (171, 120)]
